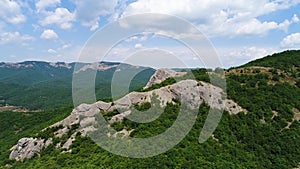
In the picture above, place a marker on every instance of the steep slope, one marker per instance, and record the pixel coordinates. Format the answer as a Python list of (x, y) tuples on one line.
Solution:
[(288, 61), (279, 67), (15, 125), (267, 136), (190, 92)]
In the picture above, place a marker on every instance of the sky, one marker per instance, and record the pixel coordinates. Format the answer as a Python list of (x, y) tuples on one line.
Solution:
[(59, 30)]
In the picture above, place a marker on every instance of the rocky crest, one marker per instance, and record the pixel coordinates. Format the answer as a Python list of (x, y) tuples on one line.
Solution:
[(96, 66), (28, 147), (159, 76), (191, 92)]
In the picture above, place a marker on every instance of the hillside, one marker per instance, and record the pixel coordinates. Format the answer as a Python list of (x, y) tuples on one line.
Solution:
[(42, 85), (288, 61), (279, 67), (260, 129)]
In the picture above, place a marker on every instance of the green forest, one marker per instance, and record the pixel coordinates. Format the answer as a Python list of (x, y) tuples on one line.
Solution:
[(259, 138)]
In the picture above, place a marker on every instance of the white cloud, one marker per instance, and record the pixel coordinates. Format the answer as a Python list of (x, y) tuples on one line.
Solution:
[(132, 38), (240, 55), (41, 5), (162, 25), (204, 9), (247, 27), (295, 18), (88, 12), (140, 38), (13, 38), (119, 9), (52, 51), (65, 46), (61, 17), (49, 34), (168, 56), (10, 11), (291, 41), (222, 17), (68, 55), (138, 46)]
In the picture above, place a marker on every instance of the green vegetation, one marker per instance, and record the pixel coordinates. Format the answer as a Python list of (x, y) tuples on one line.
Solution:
[(288, 61), (168, 81), (197, 74), (14, 125), (44, 87), (143, 107), (242, 142), (164, 121), (259, 139)]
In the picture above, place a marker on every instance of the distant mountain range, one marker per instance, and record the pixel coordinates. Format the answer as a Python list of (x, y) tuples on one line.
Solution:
[(37, 85)]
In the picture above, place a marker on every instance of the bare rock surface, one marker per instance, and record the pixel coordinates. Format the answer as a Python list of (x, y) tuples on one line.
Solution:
[(159, 76), (27, 148), (96, 66), (123, 133), (83, 118), (69, 142), (119, 117)]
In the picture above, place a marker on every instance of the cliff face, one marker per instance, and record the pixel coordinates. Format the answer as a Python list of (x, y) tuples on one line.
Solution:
[(191, 92), (159, 76), (28, 147)]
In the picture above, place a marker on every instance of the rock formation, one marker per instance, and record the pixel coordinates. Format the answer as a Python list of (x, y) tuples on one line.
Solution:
[(191, 92), (159, 76), (28, 147)]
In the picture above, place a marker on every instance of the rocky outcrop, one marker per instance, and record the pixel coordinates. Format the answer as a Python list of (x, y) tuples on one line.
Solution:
[(190, 91), (119, 117), (233, 108), (84, 117), (27, 148), (69, 142), (61, 65), (159, 76), (123, 133), (96, 66)]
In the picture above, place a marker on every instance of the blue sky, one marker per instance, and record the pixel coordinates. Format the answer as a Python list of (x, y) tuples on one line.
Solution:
[(57, 30)]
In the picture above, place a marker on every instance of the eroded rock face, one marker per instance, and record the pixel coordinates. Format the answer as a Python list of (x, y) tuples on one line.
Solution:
[(27, 148), (84, 117), (96, 66), (192, 92), (119, 117), (233, 108), (159, 76)]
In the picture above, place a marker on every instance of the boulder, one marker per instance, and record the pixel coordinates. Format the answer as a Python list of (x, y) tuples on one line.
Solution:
[(119, 117), (27, 148), (69, 142), (159, 76)]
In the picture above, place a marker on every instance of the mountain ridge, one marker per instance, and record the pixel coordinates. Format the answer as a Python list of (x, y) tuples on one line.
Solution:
[(37, 79), (267, 136), (84, 116)]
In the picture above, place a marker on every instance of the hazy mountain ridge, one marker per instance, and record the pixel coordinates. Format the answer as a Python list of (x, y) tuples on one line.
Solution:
[(31, 72), (33, 79)]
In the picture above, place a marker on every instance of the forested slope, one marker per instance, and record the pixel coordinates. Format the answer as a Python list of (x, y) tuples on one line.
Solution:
[(268, 136)]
